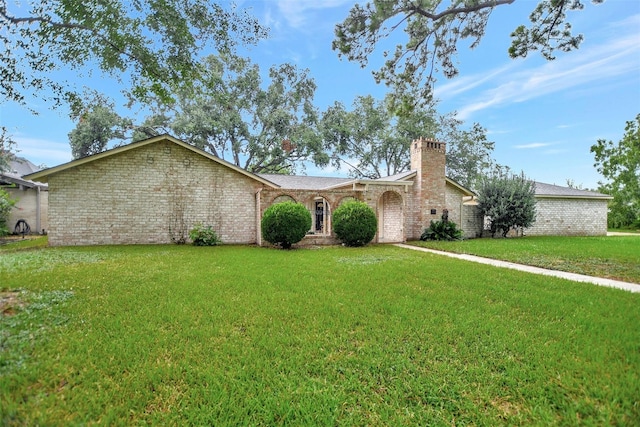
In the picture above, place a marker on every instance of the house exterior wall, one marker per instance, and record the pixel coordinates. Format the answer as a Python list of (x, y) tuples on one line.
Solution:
[(472, 221), (569, 217), (26, 208), (151, 194)]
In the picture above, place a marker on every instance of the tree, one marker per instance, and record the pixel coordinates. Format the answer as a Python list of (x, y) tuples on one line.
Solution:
[(98, 123), (374, 142), (362, 138), (7, 145), (620, 164), (230, 114), (508, 201), (434, 31), (155, 43), (6, 205)]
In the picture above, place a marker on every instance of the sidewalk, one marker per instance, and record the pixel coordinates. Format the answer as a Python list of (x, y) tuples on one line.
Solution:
[(631, 287)]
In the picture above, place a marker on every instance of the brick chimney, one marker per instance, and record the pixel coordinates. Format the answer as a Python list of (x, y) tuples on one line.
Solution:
[(428, 159)]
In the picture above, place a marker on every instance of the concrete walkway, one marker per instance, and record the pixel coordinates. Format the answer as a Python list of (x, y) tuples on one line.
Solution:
[(631, 287)]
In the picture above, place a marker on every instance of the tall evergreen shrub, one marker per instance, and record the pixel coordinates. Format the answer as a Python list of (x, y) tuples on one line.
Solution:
[(285, 223), (354, 223)]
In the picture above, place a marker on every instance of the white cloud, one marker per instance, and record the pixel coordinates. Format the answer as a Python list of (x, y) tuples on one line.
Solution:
[(296, 12), (43, 151), (588, 66), (532, 145)]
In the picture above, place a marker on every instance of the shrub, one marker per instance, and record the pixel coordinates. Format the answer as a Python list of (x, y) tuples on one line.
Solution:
[(508, 201), (442, 230), (203, 236), (6, 204), (285, 223), (354, 223)]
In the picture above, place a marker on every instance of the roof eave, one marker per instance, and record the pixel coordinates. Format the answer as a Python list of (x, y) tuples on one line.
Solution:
[(560, 196)]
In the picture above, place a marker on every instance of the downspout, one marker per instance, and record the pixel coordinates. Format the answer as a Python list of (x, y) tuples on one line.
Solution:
[(258, 203), (38, 201)]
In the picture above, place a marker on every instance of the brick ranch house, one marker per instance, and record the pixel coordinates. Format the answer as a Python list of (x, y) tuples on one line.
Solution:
[(155, 190)]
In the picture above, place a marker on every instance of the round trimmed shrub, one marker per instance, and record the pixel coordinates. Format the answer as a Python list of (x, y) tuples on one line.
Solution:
[(285, 223), (354, 223)]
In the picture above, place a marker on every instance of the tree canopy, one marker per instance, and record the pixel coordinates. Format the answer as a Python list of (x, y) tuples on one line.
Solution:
[(98, 124), (620, 165), (374, 142), (229, 112), (435, 28), (155, 43)]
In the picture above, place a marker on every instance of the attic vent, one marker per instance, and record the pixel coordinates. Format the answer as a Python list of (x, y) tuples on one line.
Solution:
[(167, 149)]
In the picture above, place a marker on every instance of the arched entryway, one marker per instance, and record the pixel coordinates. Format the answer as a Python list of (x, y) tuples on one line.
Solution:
[(390, 218)]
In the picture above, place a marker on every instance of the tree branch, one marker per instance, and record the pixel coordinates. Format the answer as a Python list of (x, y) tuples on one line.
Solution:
[(490, 4)]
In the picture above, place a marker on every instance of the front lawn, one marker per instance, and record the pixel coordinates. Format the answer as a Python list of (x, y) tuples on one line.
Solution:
[(230, 335), (613, 257)]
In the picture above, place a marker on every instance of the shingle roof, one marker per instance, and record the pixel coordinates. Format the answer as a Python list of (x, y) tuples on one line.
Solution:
[(301, 182), (549, 190), (397, 177), (18, 167)]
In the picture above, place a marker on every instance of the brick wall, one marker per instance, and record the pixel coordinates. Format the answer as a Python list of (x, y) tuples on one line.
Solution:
[(569, 217), (151, 194)]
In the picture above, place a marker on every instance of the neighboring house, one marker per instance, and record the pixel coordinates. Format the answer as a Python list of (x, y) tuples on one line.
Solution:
[(154, 191), (31, 196)]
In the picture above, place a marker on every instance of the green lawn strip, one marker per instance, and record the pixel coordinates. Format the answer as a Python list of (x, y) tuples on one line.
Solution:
[(12, 244), (377, 335), (613, 257)]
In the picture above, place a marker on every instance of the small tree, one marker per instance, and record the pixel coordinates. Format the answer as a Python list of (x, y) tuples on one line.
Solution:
[(285, 223), (6, 204), (354, 223), (508, 201)]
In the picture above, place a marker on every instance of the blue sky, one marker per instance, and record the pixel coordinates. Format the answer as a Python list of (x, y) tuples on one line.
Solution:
[(543, 116)]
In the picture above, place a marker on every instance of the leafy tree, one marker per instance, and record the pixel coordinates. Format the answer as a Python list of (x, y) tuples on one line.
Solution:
[(6, 204), (355, 223), (434, 31), (229, 113), (155, 43), (620, 164), (374, 142), (7, 145), (285, 223), (362, 138), (508, 201), (98, 123)]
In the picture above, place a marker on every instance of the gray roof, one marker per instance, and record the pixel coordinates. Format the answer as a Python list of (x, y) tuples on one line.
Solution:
[(18, 167), (549, 190), (301, 182), (397, 177)]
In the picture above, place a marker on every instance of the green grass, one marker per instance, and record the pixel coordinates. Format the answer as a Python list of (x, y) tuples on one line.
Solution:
[(613, 257), (180, 335)]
